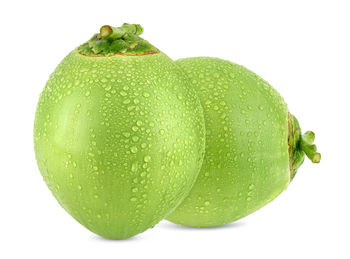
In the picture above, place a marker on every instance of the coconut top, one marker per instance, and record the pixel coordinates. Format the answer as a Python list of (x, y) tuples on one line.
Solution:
[(124, 40)]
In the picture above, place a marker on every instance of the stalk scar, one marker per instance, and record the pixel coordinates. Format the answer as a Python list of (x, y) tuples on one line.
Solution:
[(300, 145), (123, 40)]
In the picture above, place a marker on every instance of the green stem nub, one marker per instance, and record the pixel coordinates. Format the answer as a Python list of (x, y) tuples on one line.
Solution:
[(300, 145), (109, 32), (105, 31), (306, 144), (123, 40)]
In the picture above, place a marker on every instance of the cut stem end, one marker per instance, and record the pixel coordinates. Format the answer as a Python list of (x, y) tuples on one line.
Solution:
[(316, 158), (105, 31)]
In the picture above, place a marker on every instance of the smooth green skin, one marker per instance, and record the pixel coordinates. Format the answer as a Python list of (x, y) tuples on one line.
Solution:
[(119, 140), (246, 163)]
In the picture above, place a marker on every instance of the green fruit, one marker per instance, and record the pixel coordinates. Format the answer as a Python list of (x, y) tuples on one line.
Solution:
[(253, 144), (119, 134)]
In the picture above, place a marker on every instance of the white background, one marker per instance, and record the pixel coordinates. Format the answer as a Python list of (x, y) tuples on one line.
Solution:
[(301, 47)]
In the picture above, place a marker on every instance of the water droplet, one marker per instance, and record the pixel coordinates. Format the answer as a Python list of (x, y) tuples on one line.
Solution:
[(147, 158), (79, 187), (133, 149), (135, 138), (135, 189), (207, 203), (134, 167), (126, 134), (87, 93), (133, 199)]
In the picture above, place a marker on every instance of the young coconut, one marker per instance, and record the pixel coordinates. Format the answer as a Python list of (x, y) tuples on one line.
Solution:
[(254, 145), (119, 134)]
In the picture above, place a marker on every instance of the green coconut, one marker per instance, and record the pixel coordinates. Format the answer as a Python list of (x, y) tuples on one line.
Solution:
[(254, 145), (119, 133)]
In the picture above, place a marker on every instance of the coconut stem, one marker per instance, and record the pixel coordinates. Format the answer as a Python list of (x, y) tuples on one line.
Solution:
[(123, 40), (109, 32), (300, 145), (105, 31), (306, 144)]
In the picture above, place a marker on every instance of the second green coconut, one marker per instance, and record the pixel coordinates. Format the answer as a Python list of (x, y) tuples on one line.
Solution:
[(254, 146)]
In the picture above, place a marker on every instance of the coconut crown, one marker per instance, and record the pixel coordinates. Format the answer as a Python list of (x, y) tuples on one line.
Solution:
[(300, 145), (123, 40)]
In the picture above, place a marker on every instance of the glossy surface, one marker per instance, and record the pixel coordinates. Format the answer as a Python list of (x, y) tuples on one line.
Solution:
[(246, 163), (119, 140)]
